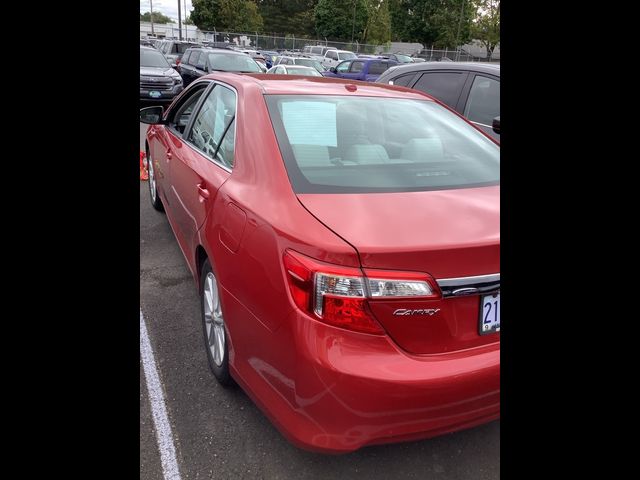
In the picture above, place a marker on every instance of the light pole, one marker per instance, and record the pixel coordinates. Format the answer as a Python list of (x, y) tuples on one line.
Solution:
[(179, 22), (151, 16), (186, 27)]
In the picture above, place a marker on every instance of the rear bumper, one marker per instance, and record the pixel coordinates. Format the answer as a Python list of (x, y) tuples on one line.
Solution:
[(334, 391)]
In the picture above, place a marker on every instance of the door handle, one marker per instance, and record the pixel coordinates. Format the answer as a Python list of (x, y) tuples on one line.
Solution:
[(202, 190)]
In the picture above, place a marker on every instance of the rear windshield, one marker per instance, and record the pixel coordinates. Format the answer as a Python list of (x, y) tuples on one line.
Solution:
[(229, 62), (291, 70), (341, 144), (310, 63)]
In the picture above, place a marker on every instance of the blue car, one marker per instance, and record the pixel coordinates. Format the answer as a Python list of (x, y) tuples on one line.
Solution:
[(269, 57), (365, 69)]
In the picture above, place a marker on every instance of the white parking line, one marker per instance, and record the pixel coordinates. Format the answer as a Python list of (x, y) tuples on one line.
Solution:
[(158, 407)]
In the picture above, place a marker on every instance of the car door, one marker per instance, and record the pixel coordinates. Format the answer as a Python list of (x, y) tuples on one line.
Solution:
[(164, 138), (480, 102), (356, 70), (341, 70), (203, 161), (330, 59), (185, 68)]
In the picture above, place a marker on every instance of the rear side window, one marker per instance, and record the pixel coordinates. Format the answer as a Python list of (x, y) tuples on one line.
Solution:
[(214, 122), (403, 80), (376, 68), (483, 104), (356, 67), (445, 86), (346, 144)]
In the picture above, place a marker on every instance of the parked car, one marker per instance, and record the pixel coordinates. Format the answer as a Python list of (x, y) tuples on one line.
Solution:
[(202, 60), (319, 50), (307, 62), (399, 57), (174, 49), (365, 69), (345, 244), (334, 57), (158, 81), (294, 70), (470, 88), (269, 57)]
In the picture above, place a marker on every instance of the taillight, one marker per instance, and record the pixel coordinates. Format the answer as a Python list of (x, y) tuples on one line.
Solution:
[(339, 295)]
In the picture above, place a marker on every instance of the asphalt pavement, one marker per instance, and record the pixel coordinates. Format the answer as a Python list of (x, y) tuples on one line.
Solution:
[(219, 433)]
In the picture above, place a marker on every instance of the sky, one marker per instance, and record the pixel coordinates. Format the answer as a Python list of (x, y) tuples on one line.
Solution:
[(166, 7)]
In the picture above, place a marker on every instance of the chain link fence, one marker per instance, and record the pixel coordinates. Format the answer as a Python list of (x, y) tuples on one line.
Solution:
[(292, 43)]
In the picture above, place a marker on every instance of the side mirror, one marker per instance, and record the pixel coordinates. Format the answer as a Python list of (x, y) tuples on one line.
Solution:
[(496, 125), (333, 70), (152, 115), (174, 65)]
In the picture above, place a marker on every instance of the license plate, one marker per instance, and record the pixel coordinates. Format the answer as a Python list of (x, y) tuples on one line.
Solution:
[(155, 94), (490, 314)]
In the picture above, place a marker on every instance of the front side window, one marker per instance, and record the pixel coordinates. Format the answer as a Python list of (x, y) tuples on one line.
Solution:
[(185, 57), (213, 123), (332, 55), (483, 104), (343, 67), (345, 144), (195, 58)]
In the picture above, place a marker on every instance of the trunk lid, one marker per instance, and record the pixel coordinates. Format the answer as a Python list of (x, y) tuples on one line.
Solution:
[(445, 233)]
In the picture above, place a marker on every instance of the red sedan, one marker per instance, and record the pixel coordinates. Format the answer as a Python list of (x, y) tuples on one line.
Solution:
[(345, 241)]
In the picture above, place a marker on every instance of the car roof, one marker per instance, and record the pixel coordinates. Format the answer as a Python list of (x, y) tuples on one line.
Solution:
[(425, 66), (218, 50), (274, 84)]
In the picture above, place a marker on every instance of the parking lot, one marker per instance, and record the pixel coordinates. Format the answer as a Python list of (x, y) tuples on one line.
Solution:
[(220, 433)]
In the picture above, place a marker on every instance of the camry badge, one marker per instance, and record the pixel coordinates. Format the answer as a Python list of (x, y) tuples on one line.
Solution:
[(421, 311)]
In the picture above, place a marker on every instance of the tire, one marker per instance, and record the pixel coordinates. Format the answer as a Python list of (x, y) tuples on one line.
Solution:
[(156, 203), (213, 326)]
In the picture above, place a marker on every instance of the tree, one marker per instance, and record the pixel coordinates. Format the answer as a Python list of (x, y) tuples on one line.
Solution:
[(486, 27), (288, 16), (188, 21), (229, 15), (157, 17), (378, 28), (335, 19), (437, 23)]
